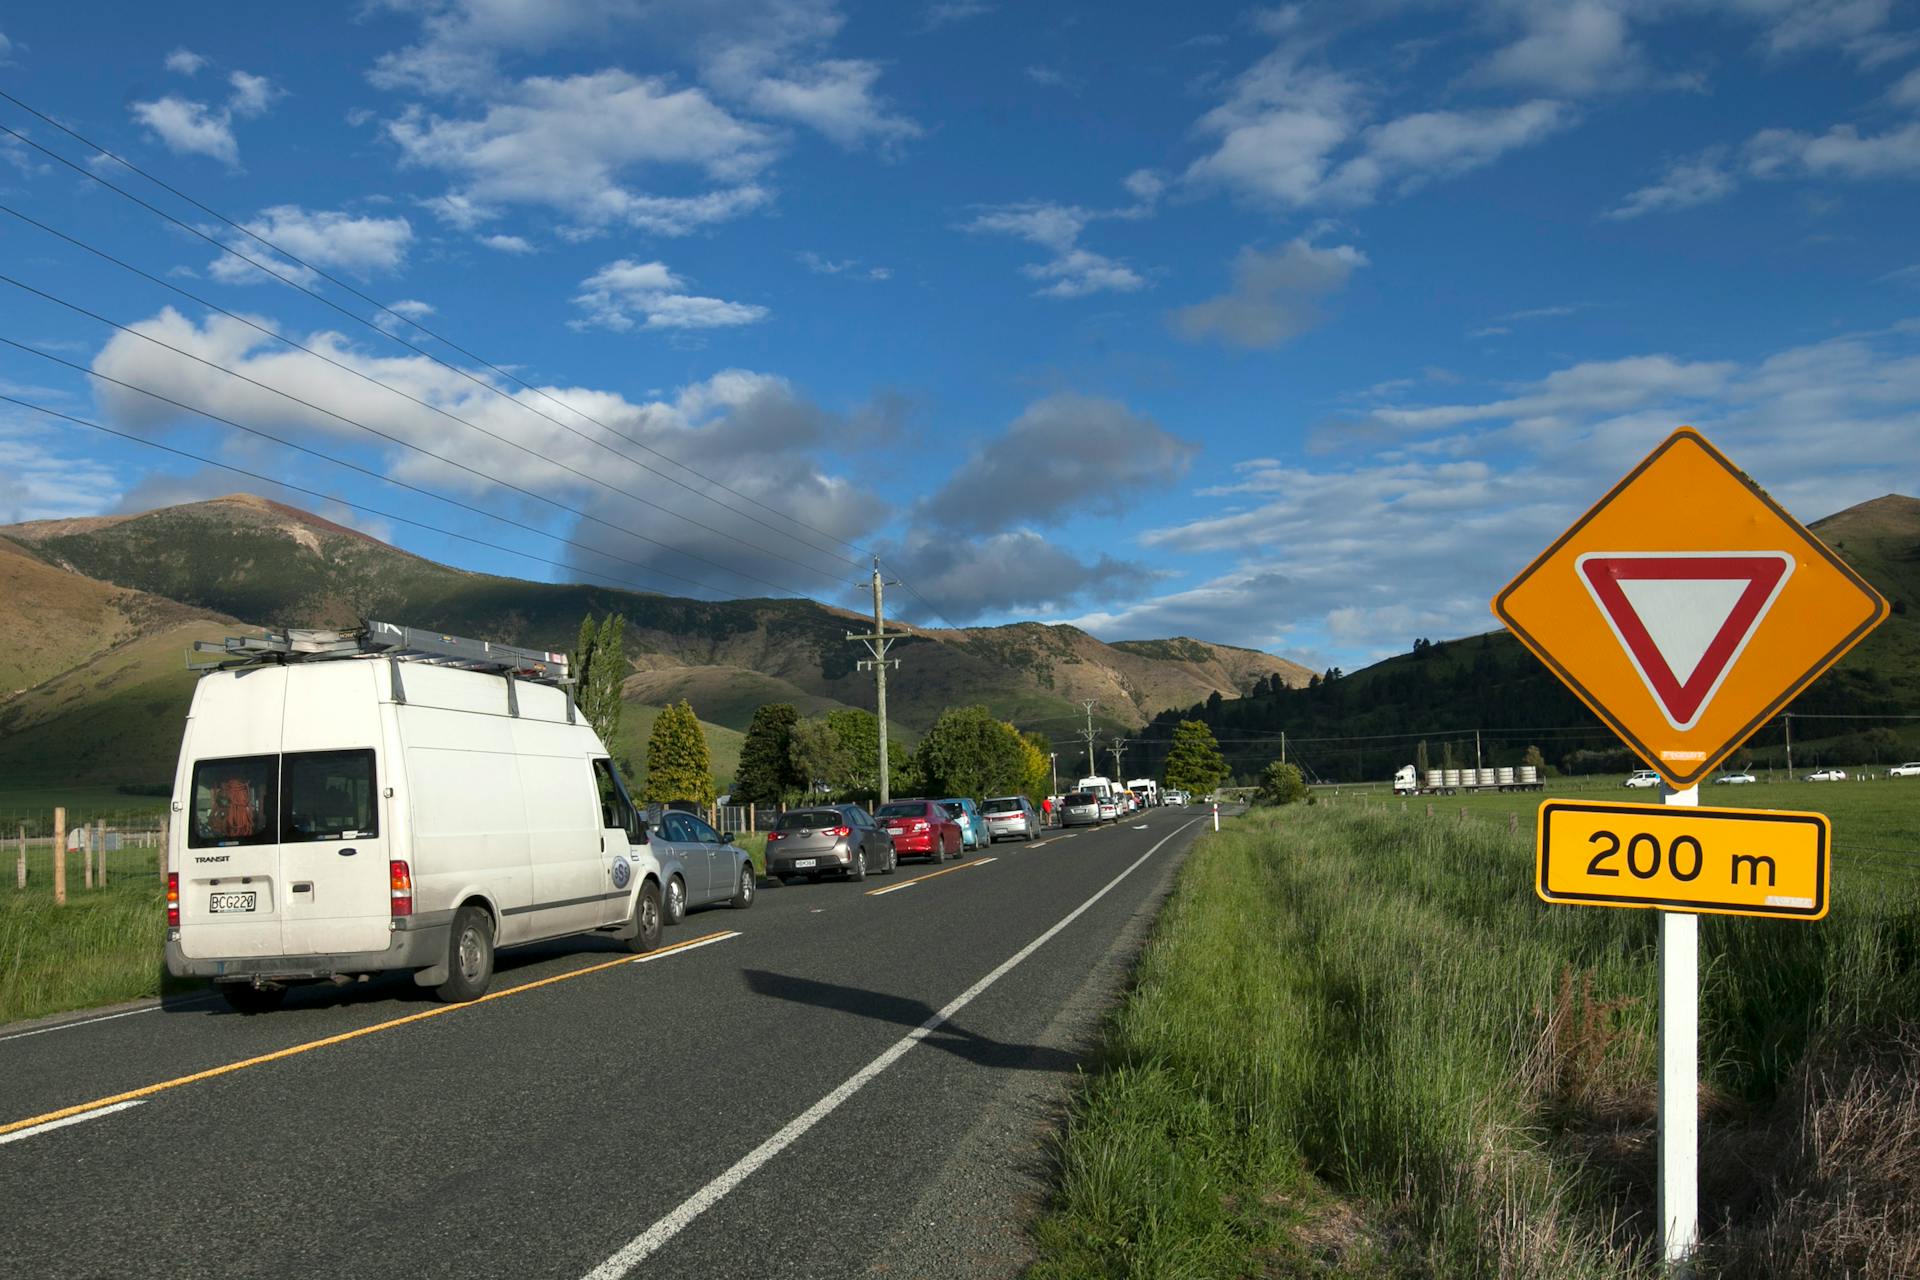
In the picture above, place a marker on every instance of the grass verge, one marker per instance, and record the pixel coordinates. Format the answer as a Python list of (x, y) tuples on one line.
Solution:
[(1359, 1043), (102, 947)]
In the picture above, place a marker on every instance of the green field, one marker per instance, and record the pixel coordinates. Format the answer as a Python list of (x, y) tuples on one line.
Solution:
[(102, 947), (1358, 1044)]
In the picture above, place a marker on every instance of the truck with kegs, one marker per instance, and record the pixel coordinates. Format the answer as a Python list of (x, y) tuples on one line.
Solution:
[(1408, 781)]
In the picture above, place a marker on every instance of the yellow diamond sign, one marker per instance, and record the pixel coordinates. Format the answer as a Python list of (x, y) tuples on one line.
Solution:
[(1687, 607)]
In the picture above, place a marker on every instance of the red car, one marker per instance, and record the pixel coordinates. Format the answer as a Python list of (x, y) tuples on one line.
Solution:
[(921, 829)]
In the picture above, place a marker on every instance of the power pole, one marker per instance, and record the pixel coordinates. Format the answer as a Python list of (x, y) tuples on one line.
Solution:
[(1788, 717), (1119, 776), (1090, 704), (877, 644)]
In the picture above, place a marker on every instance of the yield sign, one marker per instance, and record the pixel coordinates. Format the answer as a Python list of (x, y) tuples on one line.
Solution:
[(1684, 619), (1687, 607)]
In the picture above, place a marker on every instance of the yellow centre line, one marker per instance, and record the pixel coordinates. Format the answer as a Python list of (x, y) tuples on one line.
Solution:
[(947, 871), (149, 1090)]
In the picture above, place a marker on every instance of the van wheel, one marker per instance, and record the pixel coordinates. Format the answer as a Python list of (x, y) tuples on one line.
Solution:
[(469, 957), (743, 891), (676, 909), (244, 997), (646, 919), (857, 869)]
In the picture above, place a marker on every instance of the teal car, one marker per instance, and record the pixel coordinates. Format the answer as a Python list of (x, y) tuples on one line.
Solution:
[(973, 827)]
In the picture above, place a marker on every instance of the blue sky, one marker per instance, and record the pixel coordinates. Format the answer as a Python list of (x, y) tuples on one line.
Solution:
[(1301, 328)]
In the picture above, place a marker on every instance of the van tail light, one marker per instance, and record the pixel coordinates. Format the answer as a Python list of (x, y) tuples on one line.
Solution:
[(843, 831), (173, 899), (402, 878)]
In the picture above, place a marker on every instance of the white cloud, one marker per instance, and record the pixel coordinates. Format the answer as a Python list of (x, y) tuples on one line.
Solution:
[(185, 62), (1047, 77), (1065, 454), (626, 294), (571, 143), (412, 308), (824, 266), (1415, 533), (1840, 152), (1907, 91), (1686, 183), (507, 244), (1017, 571), (1072, 271), (322, 237), (1295, 133), (1572, 49), (196, 128), (942, 12), (1275, 295), (42, 476), (771, 436)]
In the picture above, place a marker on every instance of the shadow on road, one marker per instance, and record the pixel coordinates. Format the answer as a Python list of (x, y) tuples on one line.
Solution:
[(907, 1014)]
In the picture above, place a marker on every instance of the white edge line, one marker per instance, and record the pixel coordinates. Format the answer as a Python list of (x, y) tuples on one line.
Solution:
[(95, 1114), (685, 946), (637, 1250), (83, 1022)]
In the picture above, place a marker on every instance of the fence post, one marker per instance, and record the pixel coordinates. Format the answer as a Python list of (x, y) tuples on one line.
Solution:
[(59, 857), (85, 832), (1513, 824), (753, 813), (101, 828), (20, 865)]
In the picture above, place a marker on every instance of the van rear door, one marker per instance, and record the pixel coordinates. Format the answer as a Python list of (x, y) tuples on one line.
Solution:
[(333, 854), (227, 846)]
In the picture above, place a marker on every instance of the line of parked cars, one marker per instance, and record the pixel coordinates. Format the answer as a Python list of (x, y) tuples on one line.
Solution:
[(1740, 777), (847, 840)]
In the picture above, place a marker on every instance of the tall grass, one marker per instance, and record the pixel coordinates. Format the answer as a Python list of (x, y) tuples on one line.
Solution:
[(103, 946), (1373, 1006)]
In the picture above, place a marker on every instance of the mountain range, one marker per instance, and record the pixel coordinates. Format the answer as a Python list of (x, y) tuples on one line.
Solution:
[(100, 611)]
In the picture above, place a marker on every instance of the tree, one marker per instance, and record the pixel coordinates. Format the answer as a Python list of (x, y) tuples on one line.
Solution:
[(598, 666), (1282, 784), (766, 775), (818, 759), (969, 753), (1420, 760), (1534, 758), (1194, 763), (679, 768), (859, 734)]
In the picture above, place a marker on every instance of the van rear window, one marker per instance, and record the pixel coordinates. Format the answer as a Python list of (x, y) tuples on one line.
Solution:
[(233, 802), (328, 795)]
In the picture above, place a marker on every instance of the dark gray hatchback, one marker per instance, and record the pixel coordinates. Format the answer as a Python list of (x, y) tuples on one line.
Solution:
[(840, 838)]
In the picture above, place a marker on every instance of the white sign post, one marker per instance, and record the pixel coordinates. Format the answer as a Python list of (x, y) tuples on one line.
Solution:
[(1216, 815), (1679, 1074)]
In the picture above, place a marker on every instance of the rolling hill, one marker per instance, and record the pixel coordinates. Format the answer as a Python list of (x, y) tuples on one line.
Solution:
[(112, 602)]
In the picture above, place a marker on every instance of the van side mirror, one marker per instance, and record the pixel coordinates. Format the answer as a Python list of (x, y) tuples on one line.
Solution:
[(642, 834)]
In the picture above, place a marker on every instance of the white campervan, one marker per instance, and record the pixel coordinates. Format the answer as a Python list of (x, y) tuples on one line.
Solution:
[(391, 799)]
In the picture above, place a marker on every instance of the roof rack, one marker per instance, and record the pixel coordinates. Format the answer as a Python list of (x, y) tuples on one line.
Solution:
[(384, 640)]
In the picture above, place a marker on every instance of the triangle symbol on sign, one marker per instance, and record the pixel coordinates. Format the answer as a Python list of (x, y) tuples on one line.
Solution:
[(1684, 618)]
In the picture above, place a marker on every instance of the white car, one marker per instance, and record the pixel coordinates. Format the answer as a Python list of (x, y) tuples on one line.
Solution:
[(1643, 778), (1733, 779), (1911, 769), (1827, 775)]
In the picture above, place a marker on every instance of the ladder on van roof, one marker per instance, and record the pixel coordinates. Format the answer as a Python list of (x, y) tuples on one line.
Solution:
[(398, 645)]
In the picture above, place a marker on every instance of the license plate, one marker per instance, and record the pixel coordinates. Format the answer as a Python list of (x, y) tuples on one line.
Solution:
[(232, 902), (803, 862)]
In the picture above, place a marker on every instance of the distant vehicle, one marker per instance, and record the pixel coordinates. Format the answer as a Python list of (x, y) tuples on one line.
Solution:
[(1178, 798), (1100, 786), (1911, 769), (840, 838), (921, 829), (341, 815), (972, 825), (700, 866), (1734, 779), (1444, 782), (1109, 809), (1147, 790), (1080, 809), (1642, 778), (1827, 775), (1009, 816)]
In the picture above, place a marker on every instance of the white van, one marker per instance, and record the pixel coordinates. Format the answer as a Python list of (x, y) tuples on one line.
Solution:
[(389, 799)]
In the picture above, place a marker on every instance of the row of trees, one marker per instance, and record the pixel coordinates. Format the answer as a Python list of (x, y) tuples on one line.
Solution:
[(679, 765), (788, 758)]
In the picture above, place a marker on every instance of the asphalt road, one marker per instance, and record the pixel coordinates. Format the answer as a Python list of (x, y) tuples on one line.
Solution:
[(845, 1080)]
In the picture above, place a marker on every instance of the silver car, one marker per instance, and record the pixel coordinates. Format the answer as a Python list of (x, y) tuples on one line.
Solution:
[(700, 865), (839, 838), (1010, 816), (1080, 809)]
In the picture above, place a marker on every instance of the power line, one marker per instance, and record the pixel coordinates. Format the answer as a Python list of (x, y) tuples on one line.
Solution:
[(395, 337), (357, 506), (368, 471)]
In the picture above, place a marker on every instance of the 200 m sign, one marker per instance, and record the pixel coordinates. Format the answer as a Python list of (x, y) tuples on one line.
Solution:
[(1746, 862)]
